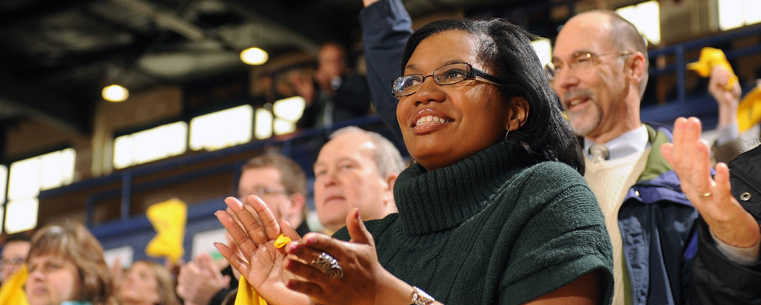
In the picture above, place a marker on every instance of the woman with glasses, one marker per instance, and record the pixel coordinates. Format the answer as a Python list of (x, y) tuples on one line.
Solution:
[(494, 210)]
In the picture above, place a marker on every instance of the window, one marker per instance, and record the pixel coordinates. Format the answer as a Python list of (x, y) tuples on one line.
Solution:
[(22, 215), (3, 183), (263, 122), (646, 17), (30, 176), (281, 120), (287, 112), (737, 13), (150, 145), (543, 49), (221, 129)]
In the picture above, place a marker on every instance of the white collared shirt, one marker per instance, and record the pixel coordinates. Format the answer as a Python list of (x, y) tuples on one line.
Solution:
[(634, 141)]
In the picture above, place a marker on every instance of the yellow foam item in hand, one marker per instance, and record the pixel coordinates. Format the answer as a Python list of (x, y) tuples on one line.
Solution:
[(281, 241), (709, 58), (12, 290), (749, 111), (247, 295), (168, 219)]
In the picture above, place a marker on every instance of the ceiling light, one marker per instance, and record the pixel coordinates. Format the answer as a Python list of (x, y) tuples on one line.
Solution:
[(115, 93), (254, 56)]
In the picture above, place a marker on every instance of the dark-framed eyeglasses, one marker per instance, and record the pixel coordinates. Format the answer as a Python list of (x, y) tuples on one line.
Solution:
[(443, 76), (13, 261), (263, 191), (580, 62)]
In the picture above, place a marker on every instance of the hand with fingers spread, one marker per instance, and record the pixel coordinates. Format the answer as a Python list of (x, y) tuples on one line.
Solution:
[(254, 231), (362, 281), (199, 280), (689, 156)]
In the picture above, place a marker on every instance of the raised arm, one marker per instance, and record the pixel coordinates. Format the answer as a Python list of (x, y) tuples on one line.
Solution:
[(729, 144), (386, 26)]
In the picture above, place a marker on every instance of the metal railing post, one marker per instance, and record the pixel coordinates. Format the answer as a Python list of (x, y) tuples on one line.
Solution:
[(680, 75), (126, 195)]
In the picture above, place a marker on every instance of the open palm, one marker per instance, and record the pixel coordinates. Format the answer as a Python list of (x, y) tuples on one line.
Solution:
[(258, 259)]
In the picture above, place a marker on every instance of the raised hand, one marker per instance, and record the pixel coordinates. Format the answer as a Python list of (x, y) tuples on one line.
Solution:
[(254, 231), (689, 156), (718, 84), (728, 100), (363, 280)]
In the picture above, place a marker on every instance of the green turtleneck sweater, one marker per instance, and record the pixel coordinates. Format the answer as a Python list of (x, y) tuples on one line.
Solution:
[(495, 228)]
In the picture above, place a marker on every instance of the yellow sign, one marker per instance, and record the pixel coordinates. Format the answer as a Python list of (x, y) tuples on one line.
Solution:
[(247, 295)]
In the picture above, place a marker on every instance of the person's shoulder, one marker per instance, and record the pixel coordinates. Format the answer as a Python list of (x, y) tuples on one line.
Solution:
[(751, 156), (553, 171)]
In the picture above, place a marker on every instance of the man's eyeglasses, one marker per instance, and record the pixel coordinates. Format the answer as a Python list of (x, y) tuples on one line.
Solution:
[(580, 62), (263, 191), (12, 262), (443, 76)]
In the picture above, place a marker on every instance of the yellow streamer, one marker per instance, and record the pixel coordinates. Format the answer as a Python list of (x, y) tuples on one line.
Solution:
[(12, 290), (246, 294)]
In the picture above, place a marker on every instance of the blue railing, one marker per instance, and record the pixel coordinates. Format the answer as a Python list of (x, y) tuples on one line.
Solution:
[(128, 176)]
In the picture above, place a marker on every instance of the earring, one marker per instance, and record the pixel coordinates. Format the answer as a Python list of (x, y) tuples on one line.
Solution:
[(507, 133)]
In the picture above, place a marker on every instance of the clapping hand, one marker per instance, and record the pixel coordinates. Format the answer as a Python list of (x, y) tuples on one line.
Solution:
[(254, 231), (316, 261)]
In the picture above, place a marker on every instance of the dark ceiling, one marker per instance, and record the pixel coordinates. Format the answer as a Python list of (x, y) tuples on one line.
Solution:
[(57, 55)]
